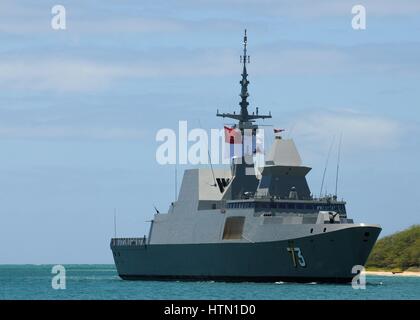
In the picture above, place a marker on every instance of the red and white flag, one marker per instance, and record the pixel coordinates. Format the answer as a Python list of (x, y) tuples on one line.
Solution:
[(233, 135)]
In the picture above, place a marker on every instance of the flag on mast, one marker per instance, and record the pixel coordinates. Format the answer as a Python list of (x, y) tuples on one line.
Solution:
[(233, 135), (233, 142)]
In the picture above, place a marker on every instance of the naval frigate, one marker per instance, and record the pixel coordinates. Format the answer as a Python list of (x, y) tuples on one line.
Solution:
[(262, 227)]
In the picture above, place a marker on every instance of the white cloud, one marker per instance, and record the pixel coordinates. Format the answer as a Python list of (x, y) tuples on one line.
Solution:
[(26, 17), (286, 60), (73, 132), (360, 131), (73, 75), (317, 8), (88, 18), (137, 25), (60, 75), (78, 74), (86, 68)]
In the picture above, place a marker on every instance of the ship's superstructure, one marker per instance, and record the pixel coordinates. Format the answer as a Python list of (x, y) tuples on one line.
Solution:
[(265, 227)]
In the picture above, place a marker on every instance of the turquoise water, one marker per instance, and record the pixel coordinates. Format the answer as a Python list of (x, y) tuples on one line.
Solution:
[(102, 282)]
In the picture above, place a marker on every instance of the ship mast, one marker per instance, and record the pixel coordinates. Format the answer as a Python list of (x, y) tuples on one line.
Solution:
[(245, 119)]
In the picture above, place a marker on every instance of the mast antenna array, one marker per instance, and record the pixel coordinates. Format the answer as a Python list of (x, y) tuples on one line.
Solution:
[(326, 166), (245, 119)]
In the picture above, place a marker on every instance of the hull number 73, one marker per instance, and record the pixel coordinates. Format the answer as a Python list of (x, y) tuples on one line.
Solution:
[(297, 257)]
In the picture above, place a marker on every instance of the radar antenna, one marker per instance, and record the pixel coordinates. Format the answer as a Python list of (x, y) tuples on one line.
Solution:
[(338, 164), (245, 119), (326, 167), (211, 164)]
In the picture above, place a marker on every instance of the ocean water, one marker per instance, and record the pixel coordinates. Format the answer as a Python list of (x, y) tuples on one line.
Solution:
[(102, 282)]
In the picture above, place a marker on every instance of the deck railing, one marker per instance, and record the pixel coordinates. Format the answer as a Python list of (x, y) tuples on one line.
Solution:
[(129, 241)]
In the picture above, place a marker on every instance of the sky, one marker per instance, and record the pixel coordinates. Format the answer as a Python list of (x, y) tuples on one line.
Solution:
[(80, 108)]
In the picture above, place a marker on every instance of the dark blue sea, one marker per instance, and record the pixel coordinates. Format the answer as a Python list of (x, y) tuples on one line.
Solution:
[(102, 282)]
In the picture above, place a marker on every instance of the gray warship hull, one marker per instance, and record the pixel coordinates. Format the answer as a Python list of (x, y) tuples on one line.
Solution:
[(328, 257), (256, 220)]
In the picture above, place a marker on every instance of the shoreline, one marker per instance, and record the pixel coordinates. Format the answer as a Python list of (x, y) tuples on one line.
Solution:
[(393, 274)]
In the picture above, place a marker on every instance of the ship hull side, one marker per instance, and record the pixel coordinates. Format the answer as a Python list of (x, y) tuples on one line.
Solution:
[(326, 257)]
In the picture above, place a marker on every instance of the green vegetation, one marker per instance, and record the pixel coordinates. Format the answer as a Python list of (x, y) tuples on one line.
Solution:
[(397, 252)]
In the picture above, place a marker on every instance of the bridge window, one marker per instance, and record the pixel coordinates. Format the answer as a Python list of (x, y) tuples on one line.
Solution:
[(290, 206)]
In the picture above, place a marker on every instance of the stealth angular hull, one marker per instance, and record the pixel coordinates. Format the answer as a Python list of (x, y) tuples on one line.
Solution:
[(322, 257), (256, 220)]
